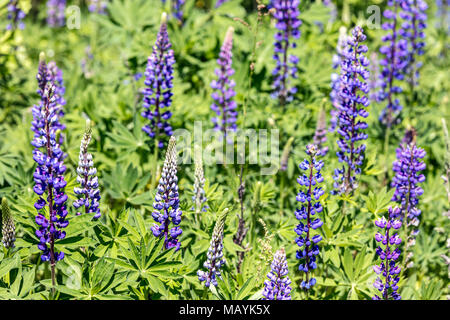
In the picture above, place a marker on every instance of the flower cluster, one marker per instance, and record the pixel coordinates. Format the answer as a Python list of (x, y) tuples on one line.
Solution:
[(177, 11), (158, 81), (166, 202), (15, 16), (220, 2), (320, 136), (352, 104), (87, 178), (288, 25), (335, 85), (278, 287), (55, 13), (97, 6), (413, 27), (407, 169), (8, 226), (215, 259), (393, 64), (49, 173), (310, 205), (224, 106), (387, 268), (199, 197)]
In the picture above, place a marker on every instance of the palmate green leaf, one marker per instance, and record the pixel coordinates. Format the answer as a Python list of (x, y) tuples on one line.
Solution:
[(124, 140)]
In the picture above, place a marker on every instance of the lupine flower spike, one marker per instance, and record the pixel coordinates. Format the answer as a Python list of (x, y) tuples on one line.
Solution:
[(158, 91), (8, 226), (320, 136), (55, 13), (309, 197), (177, 10), (335, 85), (413, 28), (215, 259), (406, 181), (224, 105), (49, 173), (87, 178), (15, 16), (388, 271), (278, 287), (393, 64), (166, 204), (288, 25), (97, 6), (352, 103), (199, 197)]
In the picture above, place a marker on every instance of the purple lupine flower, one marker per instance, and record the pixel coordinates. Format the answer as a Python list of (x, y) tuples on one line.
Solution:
[(374, 81), (158, 79), (278, 287), (215, 259), (87, 178), (8, 226), (199, 196), (55, 13), (49, 173), (288, 25), (97, 6), (393, 64), (224, 105), (413, 30), (387, 269), (220, 2), (166, 202), (15, 16), (406, 181), (352, 112), (310, 206), (335, 84), (177, 10)]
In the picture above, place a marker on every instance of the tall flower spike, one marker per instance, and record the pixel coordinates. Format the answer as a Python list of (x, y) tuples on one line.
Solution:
[(285, 155), (199, 197), (393, 64), (55, 13), (49, 174), (224, 105), (158, 91), (406, 181), (374, 81), (87, 178), (278, 287), (177, 9), (320, 136), (387, 269), (215, 259), (166, 202), (15, 16), (352, 104), (415, 22), (97, 6), (8, 226), (335, 84), (309, 197), (288, 25)]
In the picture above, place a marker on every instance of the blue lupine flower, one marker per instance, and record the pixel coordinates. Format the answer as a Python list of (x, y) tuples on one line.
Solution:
[(413, 30), (167, 201), (309, 197), (224, 105), (352, 104), (288, 25), (87, 178), (374, 81), (8, 226), (215, 259), (388, 271), (49, 173), (97, 6), (199, 196), (393, 64), (335, 84), (278, 287), (177, 11), (15, 16), (55, 13), (158, 93)]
